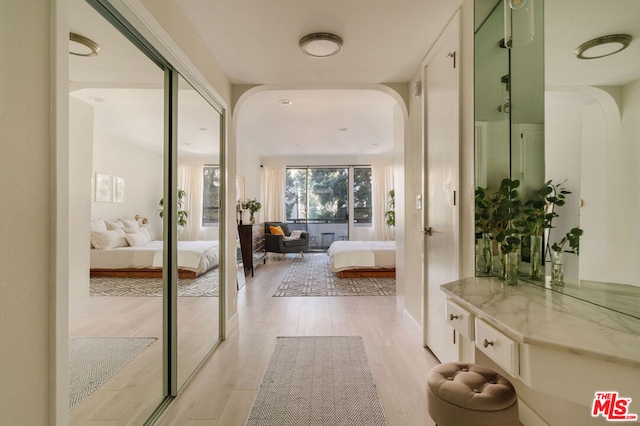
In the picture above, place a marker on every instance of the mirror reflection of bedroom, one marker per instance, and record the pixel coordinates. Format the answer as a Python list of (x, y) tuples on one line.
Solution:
[(117, 311)]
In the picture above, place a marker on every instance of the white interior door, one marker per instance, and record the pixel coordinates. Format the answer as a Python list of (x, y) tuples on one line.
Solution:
[(442, 93)]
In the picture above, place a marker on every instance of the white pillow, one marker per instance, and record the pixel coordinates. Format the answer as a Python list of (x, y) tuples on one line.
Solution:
[(108, 239), (129, 223), (113, 225), (132, 230), (146, 232), (137, 239), (98, 225), (296, 234)]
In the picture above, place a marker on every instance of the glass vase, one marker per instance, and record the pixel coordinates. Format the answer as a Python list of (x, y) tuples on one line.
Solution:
[(483, 254), (557, 267), (535, 259), (511, 263)]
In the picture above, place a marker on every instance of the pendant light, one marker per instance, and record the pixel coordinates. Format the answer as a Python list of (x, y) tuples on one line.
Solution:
[(518, 23)]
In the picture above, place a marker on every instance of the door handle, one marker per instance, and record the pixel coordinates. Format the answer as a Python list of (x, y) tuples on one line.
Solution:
[(428, 231)]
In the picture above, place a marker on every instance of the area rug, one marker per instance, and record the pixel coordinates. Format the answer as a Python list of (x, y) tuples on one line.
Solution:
[(310, 276), (204, 285), (93, 360), (318, 381)]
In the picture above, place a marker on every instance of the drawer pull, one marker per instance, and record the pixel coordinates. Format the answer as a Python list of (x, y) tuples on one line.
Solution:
[(486, 343), (452, 317)]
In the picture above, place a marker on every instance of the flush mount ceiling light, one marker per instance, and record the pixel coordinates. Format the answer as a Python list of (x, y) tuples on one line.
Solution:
[(82, 46), (603, 46), (285, 101), (321, 45)]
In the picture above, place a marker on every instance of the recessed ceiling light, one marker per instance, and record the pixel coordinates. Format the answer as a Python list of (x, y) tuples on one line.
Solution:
[(321, 45), (375, 144), (82, 46), (297, 144), (603, 46), (285, 101), (202, 128), (344, 129)]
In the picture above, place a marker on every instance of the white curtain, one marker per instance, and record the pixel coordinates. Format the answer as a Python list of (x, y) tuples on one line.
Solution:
[(191, 180), (274, 179), (381, 184)]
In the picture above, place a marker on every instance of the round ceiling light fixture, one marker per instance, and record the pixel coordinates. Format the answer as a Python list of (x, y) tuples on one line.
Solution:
[(82, 46), (603, 46), (321, 45)]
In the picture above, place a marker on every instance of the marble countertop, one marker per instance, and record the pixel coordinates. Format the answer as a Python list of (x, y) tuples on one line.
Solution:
[(534, 315)]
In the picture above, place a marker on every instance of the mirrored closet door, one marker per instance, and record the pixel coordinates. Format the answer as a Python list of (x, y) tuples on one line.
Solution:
[(144, 301)]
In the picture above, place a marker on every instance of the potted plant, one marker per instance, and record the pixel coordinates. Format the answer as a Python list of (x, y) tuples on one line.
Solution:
[(483, 231), (506, 207), (557, 254), (182, 214), (253, 206), (537, 216), (390, 215), (496, 217)]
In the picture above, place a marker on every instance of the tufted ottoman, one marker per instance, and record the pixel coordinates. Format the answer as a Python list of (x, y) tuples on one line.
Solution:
[(463, 394)]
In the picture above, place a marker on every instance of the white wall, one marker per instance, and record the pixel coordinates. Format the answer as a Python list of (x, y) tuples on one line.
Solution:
[(80, 150), (142, 172), (28, 214), (594, 146)]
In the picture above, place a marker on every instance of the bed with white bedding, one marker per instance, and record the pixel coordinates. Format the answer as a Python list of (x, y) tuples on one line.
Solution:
[(194, 259), (363, 258)]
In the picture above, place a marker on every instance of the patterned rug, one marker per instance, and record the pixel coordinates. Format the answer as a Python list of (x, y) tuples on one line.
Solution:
[(318, 381), (93, 360), (204, 285), (310, 276)]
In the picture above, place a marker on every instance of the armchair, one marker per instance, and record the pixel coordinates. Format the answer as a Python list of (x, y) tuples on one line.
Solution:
[(275, 243)]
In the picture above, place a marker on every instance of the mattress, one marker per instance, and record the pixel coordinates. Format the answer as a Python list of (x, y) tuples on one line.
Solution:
[(347, 255), (195, 256)]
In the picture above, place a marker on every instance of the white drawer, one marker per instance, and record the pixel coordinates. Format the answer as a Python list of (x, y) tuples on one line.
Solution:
[(498, 347), (459, 318)]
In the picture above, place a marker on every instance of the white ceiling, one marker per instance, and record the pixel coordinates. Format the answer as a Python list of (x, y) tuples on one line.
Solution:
[(256, 42), (569, 23)]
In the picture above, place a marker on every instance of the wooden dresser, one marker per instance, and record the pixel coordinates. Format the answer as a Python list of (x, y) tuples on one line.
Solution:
[(252, 245)]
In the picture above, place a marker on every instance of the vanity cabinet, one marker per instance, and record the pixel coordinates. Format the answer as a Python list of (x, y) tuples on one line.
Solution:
[(252, 246), (545, 342)]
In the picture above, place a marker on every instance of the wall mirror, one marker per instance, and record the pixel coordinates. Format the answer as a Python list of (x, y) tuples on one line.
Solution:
[(589, 109), (592, 109), (509, 109)]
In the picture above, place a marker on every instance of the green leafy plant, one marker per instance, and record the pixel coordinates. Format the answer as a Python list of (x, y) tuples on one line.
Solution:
[(182, 214), (252, 205), (572, 238), (504, 208), (390, 215), (537, 213)]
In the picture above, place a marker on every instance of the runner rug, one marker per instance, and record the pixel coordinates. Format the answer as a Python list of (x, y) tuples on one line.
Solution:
[(310, 276), (318, 381), (204, 285), (93, 360)]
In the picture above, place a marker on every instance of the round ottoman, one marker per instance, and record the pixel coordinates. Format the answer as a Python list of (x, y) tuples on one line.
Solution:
[(463, 394)]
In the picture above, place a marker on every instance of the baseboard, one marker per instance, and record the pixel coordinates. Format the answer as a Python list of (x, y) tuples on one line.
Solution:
[(412, 325), (528, 417), (232, 324)]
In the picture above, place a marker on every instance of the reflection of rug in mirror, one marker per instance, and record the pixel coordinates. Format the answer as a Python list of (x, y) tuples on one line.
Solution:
[(94, 360), (310, 276), (204, 285), (318, 381)]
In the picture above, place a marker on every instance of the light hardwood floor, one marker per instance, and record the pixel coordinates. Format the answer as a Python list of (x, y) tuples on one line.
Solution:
[(133, 393), (223, 390)]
